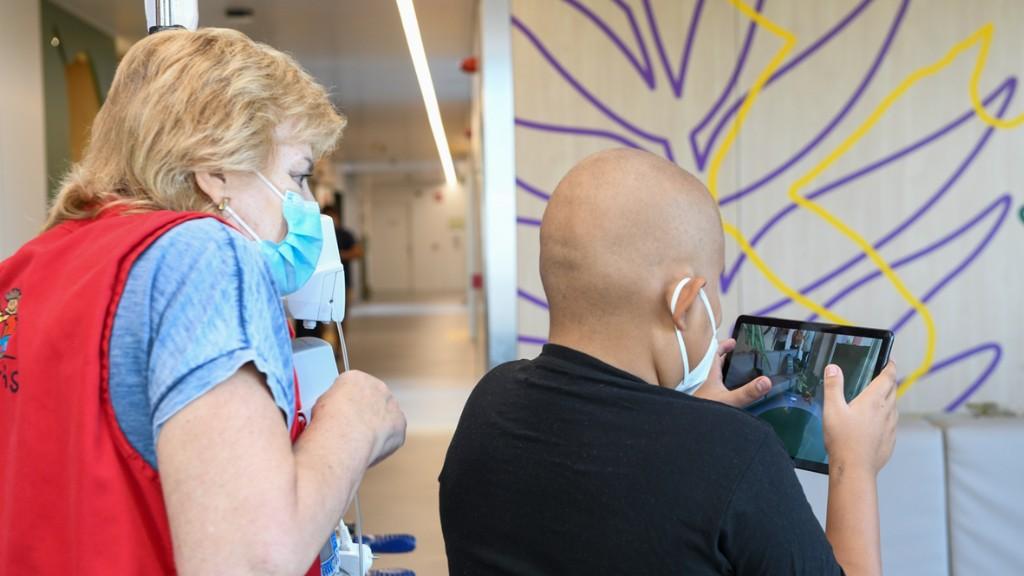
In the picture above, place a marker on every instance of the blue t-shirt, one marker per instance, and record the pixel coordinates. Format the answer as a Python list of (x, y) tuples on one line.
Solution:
[(198, 305)]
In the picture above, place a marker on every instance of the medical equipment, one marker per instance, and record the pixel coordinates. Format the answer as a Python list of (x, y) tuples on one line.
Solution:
[(164, 14), (321, 299)]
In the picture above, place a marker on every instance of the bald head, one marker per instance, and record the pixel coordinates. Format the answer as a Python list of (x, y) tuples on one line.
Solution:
[(619, 226)]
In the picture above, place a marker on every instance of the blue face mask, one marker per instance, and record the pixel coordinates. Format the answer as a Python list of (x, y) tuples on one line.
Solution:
[(293, 260)]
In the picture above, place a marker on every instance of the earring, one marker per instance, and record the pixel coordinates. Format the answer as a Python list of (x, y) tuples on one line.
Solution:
[(224, 204)]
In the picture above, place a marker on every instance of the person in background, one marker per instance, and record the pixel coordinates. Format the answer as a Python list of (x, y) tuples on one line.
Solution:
[(619, 450), (351, 250), (156, 428)]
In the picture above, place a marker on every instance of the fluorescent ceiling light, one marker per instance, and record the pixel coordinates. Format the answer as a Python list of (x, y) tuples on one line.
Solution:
[(419, 62)]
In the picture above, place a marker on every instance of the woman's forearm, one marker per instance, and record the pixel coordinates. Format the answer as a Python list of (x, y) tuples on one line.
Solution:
[(330, 459), (240, 497)]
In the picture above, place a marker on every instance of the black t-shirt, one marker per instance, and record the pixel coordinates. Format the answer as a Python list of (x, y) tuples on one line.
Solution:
[(566, 465)]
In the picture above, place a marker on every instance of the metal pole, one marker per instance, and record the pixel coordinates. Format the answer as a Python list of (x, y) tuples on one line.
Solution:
[(164, 17)]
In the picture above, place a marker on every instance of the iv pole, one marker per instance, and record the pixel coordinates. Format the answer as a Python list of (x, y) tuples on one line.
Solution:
[(164, 16), (322, 299), (171, 14)]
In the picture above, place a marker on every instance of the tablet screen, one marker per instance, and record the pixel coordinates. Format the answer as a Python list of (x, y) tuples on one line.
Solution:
[(794, 358)]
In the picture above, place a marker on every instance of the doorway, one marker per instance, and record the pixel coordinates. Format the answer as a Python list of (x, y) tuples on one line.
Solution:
[(389, 247)]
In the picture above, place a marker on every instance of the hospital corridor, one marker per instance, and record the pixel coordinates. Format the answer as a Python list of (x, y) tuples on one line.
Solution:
[(431, 380)]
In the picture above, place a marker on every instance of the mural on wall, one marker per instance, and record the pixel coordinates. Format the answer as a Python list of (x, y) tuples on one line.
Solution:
[(855, 123)]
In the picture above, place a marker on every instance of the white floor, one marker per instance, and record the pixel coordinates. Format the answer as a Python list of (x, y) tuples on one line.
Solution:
[(422, 350)]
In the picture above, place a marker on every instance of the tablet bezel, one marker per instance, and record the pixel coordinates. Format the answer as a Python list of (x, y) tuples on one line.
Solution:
[(886, 336)]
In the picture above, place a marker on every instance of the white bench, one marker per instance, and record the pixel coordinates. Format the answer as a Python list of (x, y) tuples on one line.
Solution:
[(951, 498)]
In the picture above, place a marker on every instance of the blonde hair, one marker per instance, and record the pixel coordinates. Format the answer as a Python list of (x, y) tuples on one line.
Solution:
[(183, 102)]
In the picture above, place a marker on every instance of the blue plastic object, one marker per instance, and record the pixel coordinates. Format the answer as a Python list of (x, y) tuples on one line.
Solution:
[(390, 543)]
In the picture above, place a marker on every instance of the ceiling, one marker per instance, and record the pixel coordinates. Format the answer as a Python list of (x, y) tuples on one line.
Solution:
[(357, 50)]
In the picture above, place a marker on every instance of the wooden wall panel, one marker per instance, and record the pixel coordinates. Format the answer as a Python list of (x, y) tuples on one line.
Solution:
[(935, 189)]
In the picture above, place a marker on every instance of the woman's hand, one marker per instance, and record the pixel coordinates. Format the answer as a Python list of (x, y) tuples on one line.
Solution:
[(241, 498), (366, 403)]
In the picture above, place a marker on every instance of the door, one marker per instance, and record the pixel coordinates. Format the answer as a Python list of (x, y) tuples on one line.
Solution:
[(389, 246)]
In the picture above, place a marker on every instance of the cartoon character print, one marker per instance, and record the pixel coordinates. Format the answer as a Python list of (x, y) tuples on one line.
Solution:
[(8, 320)]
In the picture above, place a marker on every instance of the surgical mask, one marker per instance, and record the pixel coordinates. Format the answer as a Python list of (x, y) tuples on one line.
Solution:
[(693, 380), (292, 260)]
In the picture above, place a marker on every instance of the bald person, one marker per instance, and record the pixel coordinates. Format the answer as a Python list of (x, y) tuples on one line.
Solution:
[(618, 450)]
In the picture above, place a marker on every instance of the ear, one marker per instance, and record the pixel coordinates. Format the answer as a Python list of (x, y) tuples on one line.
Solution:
[(213, 184), (686, 298)]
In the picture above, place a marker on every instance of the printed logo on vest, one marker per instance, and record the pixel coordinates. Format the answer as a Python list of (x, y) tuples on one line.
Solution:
[(9, 320), (8, 326)]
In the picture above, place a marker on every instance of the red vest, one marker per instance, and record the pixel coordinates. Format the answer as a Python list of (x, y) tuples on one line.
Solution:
[(75, 497)]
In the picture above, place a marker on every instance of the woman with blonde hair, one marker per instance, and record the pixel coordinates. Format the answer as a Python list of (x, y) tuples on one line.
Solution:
[(156, 401)]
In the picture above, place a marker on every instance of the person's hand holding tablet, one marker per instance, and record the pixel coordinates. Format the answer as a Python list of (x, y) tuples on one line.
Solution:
[(741, 397), (829, 413), (859, 438), (790, 356)]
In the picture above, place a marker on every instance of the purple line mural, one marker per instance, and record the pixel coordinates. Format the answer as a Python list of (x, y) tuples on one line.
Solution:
[(638, 33)]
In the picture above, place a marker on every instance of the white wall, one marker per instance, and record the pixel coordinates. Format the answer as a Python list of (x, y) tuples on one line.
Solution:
[(22, 131)]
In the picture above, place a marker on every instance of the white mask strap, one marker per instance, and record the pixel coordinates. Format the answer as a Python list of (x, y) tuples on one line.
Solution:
[(225, 207), (234, 215), (270, 185), (679, 336), (711, 316)]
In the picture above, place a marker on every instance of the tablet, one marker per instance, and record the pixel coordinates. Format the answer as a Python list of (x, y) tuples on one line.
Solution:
[(793, 355)]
